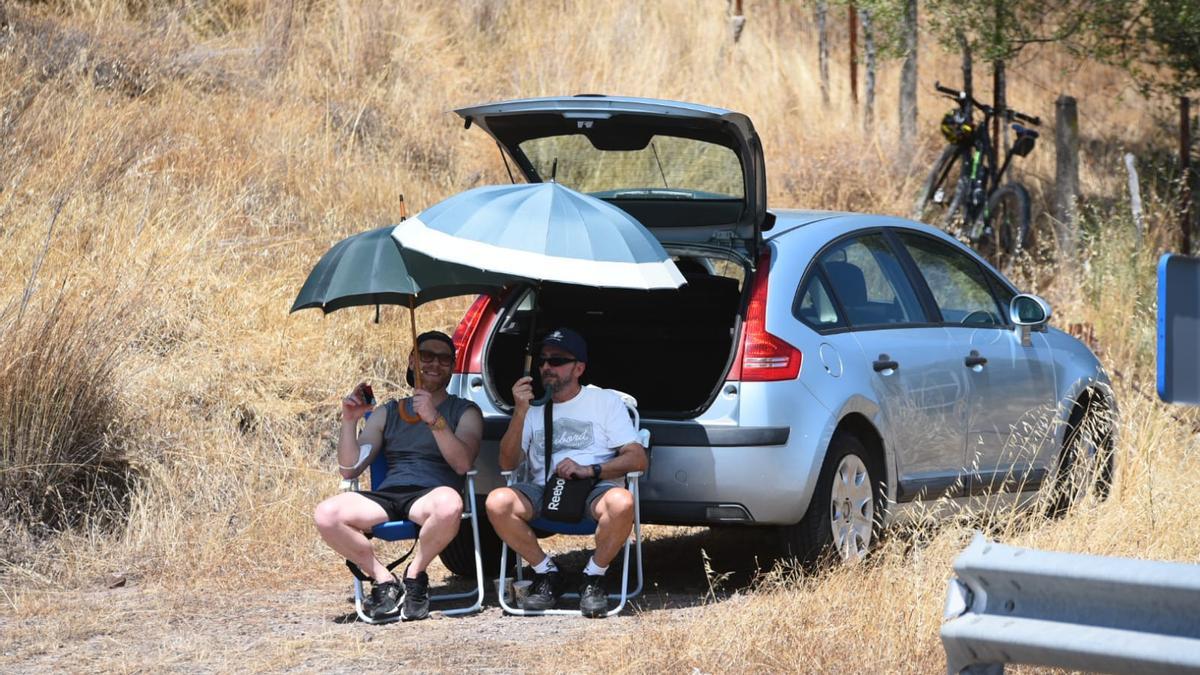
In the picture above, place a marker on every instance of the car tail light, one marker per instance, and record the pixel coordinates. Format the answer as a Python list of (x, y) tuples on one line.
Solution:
[(468, 349), (762, 357)]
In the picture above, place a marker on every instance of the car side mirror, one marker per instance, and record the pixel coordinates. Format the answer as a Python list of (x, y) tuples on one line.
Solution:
[(1028, 310)]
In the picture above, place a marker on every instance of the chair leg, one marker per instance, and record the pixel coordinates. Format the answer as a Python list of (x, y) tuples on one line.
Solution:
[(478, 592), (500, 581)]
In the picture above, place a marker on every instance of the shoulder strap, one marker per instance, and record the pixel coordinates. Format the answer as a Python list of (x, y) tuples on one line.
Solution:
[(548, 434)]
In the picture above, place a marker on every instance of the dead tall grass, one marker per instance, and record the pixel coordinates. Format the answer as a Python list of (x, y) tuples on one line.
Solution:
[(197, 158)]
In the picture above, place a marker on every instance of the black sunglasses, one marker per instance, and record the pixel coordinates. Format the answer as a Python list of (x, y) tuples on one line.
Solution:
[(555, 361), (429, 357)]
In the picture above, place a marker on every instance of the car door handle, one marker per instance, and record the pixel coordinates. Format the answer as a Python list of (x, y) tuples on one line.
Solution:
[(885, 362), (974, 359)]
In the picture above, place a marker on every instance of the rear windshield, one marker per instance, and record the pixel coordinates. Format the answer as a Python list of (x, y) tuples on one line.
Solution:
[(668, 167)]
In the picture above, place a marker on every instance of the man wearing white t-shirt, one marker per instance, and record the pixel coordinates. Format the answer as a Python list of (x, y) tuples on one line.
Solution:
[(593, 437)]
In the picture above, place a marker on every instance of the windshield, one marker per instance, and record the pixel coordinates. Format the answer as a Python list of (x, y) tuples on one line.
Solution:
[(668, 167)]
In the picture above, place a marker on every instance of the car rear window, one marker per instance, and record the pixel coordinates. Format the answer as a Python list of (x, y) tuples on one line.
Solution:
[(668, 167)]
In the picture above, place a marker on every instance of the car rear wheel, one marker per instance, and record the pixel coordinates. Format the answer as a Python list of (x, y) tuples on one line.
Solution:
[(842, 521)]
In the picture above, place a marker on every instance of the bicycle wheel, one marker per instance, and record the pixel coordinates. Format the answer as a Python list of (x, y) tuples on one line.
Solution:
[(940, 200), (1006, 235)]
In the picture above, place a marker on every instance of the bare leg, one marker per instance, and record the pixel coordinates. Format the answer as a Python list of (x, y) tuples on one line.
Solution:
[(614, 518), (510, 512), (342, 520), (439, 514)]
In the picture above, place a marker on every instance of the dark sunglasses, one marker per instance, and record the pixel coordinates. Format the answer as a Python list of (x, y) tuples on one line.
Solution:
[(555, 361), (429, 357)]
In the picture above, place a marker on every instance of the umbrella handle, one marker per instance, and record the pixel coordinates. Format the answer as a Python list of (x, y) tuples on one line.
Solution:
[(411, 418), (529, 371)]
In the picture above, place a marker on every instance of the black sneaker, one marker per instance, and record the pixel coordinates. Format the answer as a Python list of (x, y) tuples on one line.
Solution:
[(593, 600), (543, 592), (416, 598), (385, 600)]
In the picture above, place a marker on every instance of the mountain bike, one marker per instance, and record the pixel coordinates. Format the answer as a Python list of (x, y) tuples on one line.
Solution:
[(992, 217)]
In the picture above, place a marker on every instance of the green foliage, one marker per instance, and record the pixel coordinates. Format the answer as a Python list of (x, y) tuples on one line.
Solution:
[(1000, 29), (1164, 37)]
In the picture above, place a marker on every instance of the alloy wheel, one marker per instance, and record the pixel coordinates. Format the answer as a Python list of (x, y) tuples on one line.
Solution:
[(851, 509)]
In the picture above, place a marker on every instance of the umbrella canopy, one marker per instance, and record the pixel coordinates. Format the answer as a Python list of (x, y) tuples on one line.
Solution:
[(371, 269), (543, 231)]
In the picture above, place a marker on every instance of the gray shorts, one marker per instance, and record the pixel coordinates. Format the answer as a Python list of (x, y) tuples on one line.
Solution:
[(533, 492)]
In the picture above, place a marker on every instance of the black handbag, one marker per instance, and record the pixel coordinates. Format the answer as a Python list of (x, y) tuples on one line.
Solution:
[(564, 499)]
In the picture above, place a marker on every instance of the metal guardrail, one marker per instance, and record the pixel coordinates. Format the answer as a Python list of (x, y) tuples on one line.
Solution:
[(1081, 612)]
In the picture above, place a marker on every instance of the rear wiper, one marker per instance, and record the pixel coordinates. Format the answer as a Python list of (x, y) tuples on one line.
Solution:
[(654, 192)]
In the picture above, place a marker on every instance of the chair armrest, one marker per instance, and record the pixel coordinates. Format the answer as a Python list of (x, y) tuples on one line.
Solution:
[(348, 485)]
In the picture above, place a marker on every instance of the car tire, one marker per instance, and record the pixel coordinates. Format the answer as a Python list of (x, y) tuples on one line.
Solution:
[(1085, 464), (459, 554), (843, 518)]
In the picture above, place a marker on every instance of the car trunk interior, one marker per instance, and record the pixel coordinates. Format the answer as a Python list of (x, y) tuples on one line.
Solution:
[(670, 349)]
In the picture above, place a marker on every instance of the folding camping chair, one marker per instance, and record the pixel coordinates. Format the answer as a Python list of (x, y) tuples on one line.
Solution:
[(396, 530), (587, 527)]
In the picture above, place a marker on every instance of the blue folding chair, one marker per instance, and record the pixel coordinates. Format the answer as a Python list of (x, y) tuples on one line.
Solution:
[(587, 527), (397, 530)]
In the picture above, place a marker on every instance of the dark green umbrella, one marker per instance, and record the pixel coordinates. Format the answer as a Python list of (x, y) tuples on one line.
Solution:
[(371, 268)]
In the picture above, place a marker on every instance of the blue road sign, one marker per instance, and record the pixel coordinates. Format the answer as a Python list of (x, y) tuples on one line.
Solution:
[(1179, 329)]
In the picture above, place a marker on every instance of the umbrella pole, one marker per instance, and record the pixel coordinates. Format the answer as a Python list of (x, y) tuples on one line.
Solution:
[(529, 346), (413, 417)]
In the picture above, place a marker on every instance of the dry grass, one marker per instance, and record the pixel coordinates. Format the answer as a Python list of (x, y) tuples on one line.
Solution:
[(170, 171)]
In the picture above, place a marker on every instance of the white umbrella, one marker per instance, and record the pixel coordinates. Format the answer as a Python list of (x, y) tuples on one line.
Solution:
[(544, 231)]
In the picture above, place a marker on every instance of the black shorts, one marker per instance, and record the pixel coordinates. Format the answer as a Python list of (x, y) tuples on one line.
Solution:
[(396, 500)]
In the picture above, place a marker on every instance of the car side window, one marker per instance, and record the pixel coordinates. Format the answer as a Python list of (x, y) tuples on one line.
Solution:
[(957, 283), (867, 279), (815, 306)]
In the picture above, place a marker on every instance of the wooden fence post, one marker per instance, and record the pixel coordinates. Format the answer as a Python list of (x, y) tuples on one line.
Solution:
[(1185, 175), (1135, 197), (1066, 174)]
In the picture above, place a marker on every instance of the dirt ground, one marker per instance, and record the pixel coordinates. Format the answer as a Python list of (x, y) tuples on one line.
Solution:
[(310, 625)]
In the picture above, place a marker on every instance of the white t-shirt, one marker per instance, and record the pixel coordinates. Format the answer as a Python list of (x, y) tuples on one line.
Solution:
[(589, 429)]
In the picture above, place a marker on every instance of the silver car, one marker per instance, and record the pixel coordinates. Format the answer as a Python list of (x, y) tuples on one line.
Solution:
[(820, 373)]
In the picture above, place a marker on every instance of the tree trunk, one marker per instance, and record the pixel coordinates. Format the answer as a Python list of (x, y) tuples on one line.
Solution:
[(864, 16), (823, 49), (908, 85), (1000, 104), (853, 19)]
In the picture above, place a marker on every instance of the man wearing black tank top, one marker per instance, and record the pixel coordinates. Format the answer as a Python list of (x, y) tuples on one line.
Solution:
[(426, 459)]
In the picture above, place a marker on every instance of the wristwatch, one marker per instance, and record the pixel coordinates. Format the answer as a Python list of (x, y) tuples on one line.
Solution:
[(596, 471), (438, 424)]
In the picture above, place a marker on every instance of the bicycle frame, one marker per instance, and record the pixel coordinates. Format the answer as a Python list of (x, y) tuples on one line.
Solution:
[(980, 180)]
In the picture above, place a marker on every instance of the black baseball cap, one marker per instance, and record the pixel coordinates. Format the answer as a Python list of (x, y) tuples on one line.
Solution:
[(436, 335), (568, 340)]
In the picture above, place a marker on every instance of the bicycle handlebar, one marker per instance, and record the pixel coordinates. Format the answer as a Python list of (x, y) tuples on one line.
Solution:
[(961, 97)]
